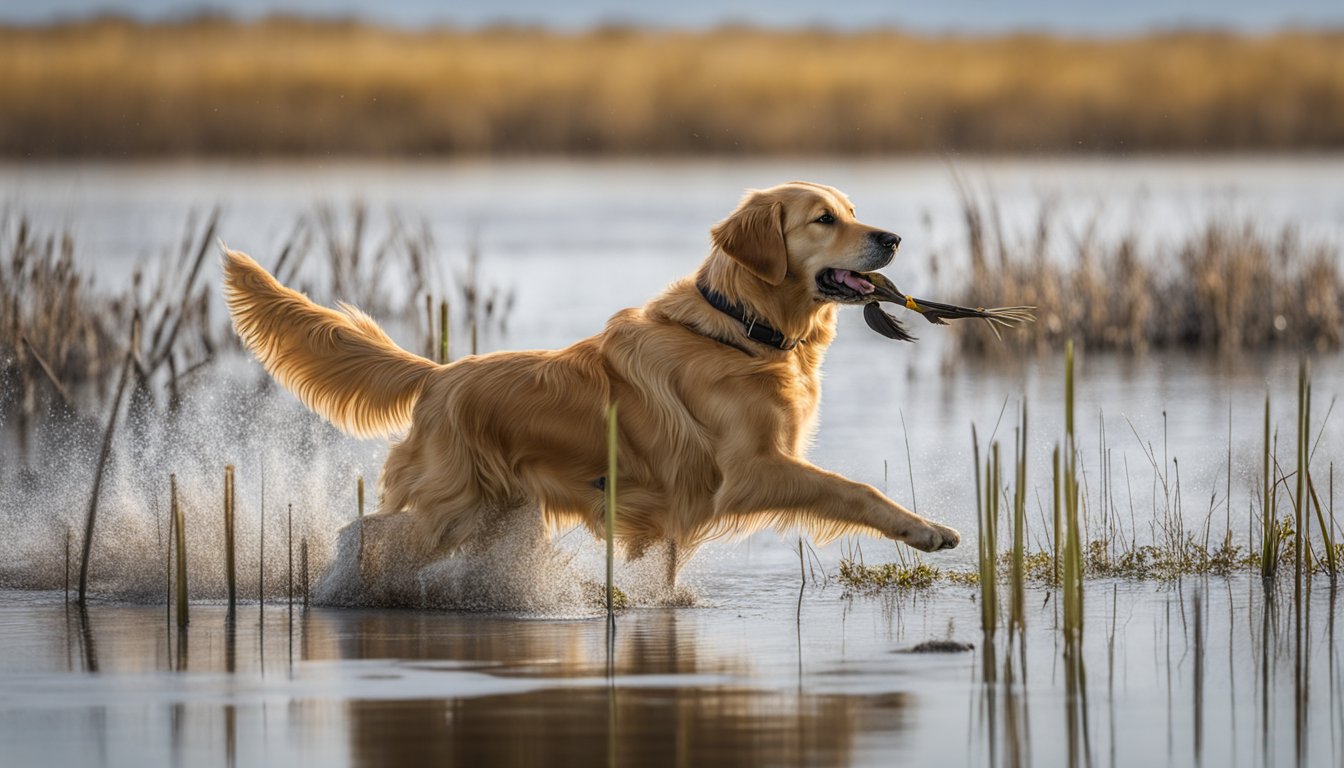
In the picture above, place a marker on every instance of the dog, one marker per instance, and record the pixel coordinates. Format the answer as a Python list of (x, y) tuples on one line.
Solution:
[(717, 381)]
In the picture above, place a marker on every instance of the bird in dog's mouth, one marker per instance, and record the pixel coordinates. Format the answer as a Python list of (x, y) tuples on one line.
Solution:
[(872, 288)]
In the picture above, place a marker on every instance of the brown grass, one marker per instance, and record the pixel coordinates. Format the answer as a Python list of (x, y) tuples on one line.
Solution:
[(1227, 285), (285, 87)]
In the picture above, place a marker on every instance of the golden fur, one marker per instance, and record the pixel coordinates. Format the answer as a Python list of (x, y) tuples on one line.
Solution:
[(713, 425)]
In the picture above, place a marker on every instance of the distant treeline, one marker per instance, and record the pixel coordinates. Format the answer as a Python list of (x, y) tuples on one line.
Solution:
[(284, 87)]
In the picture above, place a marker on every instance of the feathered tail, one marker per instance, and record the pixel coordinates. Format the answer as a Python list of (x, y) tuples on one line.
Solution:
[(340, 364)]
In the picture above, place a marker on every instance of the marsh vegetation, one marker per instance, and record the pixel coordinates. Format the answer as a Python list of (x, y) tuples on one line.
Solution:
[(1144, 608), (284, 87)]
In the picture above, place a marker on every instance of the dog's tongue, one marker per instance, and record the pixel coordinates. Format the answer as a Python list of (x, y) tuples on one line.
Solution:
[(852, 280)]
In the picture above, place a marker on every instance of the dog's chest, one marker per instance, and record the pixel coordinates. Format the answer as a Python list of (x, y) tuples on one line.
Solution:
[(801, 389)]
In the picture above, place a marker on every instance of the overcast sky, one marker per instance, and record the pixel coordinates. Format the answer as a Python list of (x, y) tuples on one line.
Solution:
[(1070, 16)]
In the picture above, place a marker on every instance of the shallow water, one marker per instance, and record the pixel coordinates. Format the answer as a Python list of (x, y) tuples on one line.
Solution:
[(753, 675), (748, 672)]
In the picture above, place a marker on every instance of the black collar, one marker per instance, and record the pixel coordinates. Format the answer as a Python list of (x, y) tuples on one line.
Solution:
[(756, 330)]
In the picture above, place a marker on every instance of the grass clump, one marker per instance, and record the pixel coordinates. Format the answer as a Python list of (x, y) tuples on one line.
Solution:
[(857, 577)]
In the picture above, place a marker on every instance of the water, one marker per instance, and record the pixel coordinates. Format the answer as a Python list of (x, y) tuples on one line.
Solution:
[(758, 674), (749, 672)]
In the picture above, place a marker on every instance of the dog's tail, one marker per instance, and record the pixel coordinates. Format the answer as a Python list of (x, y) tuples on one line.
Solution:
[(340, 364)]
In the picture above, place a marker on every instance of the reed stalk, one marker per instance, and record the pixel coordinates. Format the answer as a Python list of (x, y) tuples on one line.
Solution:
[(1299, 498), (261, 548), (429, 326), (611, 507), (1017, 611), (230, 565), (1058, 517), (303, 569), (1269, 535), (359, 556), (987, 520), (1331, 556), (180, 539), (802, 566), (91, 518), (289, 539), (168, 574), (1072, 550), (443, 332), (67, 563)]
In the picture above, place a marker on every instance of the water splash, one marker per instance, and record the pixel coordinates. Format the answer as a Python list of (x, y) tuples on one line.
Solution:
[(287, 461)]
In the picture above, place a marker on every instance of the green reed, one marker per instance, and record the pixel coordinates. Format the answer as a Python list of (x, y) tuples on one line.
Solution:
[(1071, 556), (1017, 610), (1327, 537), (1070, 535), (1269, 538), (1302, 544), (987, 507)]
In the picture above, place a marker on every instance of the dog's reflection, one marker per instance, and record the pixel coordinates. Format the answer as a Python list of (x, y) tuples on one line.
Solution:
[(675, 699)]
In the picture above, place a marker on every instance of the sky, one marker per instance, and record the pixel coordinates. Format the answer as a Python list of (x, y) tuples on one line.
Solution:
[(1087, 17)]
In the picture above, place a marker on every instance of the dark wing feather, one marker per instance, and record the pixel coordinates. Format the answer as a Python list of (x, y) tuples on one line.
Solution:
[(884, 323)]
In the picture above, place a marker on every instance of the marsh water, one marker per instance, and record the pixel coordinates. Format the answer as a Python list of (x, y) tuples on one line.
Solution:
[(759, 672), (758, 667)]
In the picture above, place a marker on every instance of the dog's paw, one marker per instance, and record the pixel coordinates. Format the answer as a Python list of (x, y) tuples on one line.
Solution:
[(933, 537)]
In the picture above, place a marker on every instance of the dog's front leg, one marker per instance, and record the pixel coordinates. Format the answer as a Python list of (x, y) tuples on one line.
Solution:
[(769, 484)]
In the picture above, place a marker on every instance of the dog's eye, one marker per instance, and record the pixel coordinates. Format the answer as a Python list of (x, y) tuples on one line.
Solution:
[(825, 218)]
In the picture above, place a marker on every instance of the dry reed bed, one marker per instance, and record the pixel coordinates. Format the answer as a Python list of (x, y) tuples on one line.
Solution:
[(211, 87), (63, 339), (1226, 285)]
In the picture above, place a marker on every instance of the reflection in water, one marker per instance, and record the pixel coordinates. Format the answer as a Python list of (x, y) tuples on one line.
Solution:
[(1199, 679), (620, 726), (470, 689), (619, 722), (765, 684), (87, 642)]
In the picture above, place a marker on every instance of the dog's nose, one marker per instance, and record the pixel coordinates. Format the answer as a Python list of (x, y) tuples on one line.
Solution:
[(887, 239)]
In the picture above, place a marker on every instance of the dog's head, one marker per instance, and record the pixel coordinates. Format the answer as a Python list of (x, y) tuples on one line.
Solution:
[(793, 250)]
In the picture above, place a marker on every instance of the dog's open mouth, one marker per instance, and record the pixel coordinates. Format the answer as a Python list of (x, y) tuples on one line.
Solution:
[(844, 285)]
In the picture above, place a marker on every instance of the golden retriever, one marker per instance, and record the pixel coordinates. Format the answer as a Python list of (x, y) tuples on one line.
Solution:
[(717, 381)]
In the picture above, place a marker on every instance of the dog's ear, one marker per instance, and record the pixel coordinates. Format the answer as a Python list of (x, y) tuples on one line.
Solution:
[(753, 235)]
